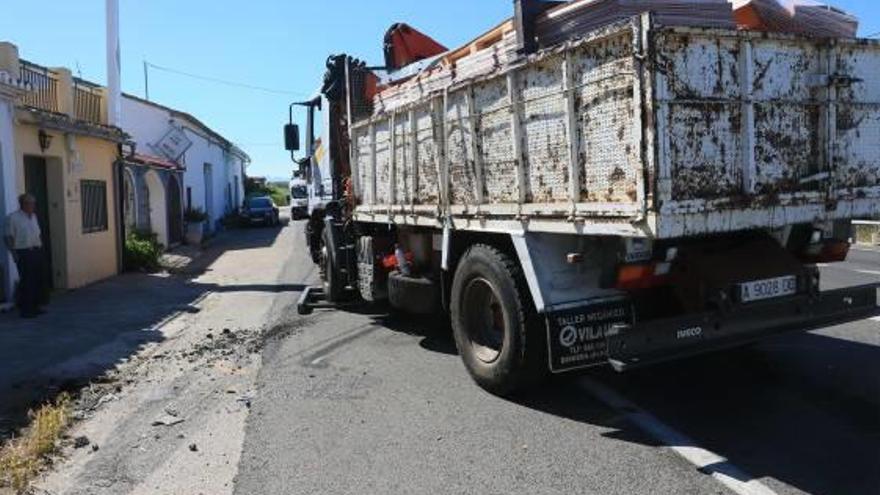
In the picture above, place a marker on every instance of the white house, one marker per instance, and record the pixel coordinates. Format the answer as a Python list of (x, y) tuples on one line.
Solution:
[(11, 87), (214, 168)]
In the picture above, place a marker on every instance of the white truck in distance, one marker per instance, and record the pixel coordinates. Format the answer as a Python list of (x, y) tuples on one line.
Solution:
[(299, 198), (623, 196)]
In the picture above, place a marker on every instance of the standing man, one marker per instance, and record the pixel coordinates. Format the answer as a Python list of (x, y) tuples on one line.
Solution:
[(23, 240)]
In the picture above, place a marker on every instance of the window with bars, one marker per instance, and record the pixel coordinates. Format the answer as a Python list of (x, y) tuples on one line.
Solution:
[(94, 205)]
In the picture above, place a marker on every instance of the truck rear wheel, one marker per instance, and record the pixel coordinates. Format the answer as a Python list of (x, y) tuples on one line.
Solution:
[(495, 337)]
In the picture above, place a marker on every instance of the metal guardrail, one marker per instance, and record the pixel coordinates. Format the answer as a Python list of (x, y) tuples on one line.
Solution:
[(44, 82), (86, 101)]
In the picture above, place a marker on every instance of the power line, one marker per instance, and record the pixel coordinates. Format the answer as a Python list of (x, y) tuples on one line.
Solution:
[(222, 81)]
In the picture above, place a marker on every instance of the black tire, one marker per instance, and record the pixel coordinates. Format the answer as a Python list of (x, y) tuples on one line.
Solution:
[(413, 295), (329, 271), (314, 229), (494, 322)]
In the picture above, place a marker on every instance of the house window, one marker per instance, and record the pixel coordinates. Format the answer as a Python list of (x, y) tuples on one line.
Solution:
[(94, 205)]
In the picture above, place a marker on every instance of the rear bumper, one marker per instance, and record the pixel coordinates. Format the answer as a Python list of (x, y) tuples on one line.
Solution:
[(259, 217), (644, 343)]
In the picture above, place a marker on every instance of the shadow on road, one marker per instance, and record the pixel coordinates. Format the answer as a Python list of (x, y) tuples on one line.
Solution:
[(799, 408), (432, 330), (89, 331)]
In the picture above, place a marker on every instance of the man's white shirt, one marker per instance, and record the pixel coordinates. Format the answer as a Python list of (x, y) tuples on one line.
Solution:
[(24, 230)]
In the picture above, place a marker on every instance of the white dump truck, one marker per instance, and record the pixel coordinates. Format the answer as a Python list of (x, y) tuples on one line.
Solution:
[(623, 196)]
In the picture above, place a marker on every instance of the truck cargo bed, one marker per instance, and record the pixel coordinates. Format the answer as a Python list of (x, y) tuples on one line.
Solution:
[(634, 130)]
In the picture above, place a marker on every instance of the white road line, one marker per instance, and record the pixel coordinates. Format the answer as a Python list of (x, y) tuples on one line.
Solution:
[(868, 272), (848, 269), (706, 462), (866, 249)]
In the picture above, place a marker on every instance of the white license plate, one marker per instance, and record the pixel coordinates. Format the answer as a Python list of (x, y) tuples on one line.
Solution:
[(771, 288)]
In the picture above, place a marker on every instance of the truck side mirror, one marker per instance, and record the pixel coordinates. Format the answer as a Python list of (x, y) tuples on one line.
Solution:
[(291, 137)]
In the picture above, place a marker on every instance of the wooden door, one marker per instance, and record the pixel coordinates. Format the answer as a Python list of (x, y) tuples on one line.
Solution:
[(36, 184)]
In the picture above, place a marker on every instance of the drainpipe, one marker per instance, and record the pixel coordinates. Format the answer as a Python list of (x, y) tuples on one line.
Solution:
[(119, 197)]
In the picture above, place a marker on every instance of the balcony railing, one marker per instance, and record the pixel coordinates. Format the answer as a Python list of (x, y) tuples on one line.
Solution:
[(86, 101), (44, 82)]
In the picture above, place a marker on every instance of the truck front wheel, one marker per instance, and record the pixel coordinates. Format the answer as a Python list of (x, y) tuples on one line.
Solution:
[(329, 270), (490, 312)]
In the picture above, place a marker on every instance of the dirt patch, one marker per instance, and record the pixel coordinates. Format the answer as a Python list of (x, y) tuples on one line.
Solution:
[(23, 457), (225, 350)]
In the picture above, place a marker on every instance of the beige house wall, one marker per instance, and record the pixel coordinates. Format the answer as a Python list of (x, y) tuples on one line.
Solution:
[(78, 258)]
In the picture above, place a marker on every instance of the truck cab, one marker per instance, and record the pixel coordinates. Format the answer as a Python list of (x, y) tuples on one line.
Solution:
[(312, 186), (317, 181)]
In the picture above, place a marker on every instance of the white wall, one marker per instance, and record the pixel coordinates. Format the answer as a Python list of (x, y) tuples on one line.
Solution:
[(147, 124), (205, 150), (158, 206), (235, 170), (8, 199)]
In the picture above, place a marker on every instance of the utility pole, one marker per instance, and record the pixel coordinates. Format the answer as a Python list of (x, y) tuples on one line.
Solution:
[(146, 80), (114, 87)]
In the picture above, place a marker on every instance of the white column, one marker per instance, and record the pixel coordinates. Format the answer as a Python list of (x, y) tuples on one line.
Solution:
[(114, 88)]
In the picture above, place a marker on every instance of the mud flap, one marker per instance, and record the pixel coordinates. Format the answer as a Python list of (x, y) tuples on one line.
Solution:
[(577, 334)]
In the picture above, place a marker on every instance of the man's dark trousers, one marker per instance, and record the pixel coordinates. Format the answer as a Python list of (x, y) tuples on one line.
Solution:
[(30, 280)]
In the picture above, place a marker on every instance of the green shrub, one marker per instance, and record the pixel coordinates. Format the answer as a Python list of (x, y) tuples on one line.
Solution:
[(276, 190), (195, 215), (142, 252), (279, 194)]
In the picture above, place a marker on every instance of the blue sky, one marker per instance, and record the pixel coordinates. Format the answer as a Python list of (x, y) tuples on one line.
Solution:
[(278, 44)]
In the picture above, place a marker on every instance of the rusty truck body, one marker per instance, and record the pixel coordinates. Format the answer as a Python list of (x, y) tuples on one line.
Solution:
[(627, 195)]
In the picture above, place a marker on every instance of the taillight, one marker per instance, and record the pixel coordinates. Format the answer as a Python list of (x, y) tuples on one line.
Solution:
[(390, 262), (826, 251), (643, 275)]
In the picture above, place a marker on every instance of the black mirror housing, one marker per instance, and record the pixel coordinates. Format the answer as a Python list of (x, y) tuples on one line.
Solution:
[(291, 137)]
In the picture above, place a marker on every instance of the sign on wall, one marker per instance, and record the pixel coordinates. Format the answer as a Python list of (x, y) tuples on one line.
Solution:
[(174, 143)]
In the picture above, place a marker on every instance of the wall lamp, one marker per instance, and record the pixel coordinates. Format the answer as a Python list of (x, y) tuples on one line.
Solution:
[(45, 140)]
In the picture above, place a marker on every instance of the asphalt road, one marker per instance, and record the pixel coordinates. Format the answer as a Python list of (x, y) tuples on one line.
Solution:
[(356, 402)]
